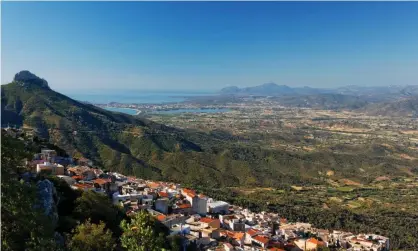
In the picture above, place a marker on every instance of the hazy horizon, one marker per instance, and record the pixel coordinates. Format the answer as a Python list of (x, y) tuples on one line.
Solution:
[(206, 46)]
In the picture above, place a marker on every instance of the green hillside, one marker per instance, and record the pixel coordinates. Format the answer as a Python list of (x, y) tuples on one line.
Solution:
[(137, 146)]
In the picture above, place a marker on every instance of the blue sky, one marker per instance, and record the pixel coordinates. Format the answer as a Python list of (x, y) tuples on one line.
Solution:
[(210, 45)]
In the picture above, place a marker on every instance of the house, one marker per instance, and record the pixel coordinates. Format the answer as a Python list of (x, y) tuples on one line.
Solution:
[(209, 222), (102, 184), (174, 219), (163, 194), (211, 232), (50, 168), (260, 240), (309, 244), (199, 204), (217, 207), (184, 208), (236, 225), (250, 234), (84, 171), (83, 186), (161, 205), (236, 237)]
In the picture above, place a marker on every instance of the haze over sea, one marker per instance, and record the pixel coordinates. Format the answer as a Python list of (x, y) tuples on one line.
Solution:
[(133, 96)]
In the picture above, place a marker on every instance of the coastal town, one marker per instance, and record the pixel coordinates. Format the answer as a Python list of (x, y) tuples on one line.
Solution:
[(200, 220)]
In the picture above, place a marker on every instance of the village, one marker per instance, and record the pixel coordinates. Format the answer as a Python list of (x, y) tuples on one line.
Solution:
[(202, 221)]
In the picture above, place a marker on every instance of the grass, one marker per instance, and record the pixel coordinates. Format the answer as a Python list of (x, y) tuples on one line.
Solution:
[(345, 189)]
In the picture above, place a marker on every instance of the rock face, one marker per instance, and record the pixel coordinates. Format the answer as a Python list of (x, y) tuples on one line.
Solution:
[(27, 77), (48, 198)]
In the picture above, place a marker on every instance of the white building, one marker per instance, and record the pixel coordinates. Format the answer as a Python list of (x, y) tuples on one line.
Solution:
[(218, 207), (48, 167), (199, 205)]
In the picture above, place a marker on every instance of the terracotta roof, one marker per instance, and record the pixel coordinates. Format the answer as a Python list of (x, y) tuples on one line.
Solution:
[(82, 186), (153, 185), (239, 235), (161, 217), (252, 232), (163, 194), (316, 242), (77, 177), (184, 206), (101, 181), (206, 220), (235, 235), (261, 239), (189, 192)]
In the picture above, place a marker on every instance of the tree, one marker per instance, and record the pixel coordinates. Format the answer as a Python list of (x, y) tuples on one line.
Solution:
[(141, 233), (23, 227), (97, 207), (91, 237)]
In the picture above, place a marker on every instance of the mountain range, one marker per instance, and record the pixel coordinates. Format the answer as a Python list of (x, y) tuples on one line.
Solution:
[(272, 89), (375, 100)]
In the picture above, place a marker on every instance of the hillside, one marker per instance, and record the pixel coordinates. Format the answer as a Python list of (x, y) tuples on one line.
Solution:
[(398, 108), (114, 140), (323, 101), (137, 146)]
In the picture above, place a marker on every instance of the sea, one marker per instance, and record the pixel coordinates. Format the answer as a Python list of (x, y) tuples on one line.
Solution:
[(133, 96), (137, 97)]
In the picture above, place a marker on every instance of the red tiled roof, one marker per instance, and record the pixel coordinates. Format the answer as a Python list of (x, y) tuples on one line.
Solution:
[(163, 194), (252, 232), (82, 186), (206, 220), (77, 177), (261, 239), (184, 206), (161, 217), (153, 185), (101, 181), (316, 242), (189, 192), (235, 235)]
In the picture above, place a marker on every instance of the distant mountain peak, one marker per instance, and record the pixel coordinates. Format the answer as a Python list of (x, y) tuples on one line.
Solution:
[(230, 89), (28, 77), (269, 84)]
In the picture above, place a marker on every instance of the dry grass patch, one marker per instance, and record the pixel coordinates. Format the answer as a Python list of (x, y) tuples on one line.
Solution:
[(350, 182)]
